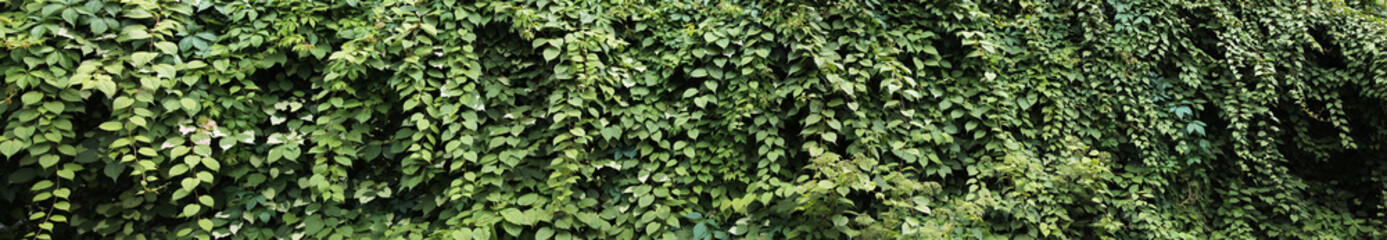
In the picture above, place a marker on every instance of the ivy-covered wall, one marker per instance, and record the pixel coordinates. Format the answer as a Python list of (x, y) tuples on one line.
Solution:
[(702, 119)]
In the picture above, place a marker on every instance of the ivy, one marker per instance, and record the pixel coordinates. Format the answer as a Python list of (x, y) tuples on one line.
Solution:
[(759, 119)]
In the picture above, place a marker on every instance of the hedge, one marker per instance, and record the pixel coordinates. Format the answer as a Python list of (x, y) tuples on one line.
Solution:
[(723, 119)]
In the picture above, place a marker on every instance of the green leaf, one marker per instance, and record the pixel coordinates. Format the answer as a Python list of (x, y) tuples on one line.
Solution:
[(826, 184), (138, 121), (139, 59), (110, 126), (66, 173), (699, 73), (9, 148), (63, 193), (191, 210), (48, 160), (56, 107), (167, 47), (611, 132), (313, 224), (138, 13), (107, 87), (317, 180), (206, 200), (700, 231), (41, 185), (647, 200), (166, 71), (429, 28), (122, 102), (189, 183), (179, 151), (652, 228), (291, 153), (205, 177), (113, 170), (49, 9), (189, 105), (527, 199), (30, 98), (255, 179), (97, 27), (550, 53), (462, 234), (544, 233), (23, 132), (517, 217), (178, 169), (211, 164), (205, 224), (482, 233), (275, 154)]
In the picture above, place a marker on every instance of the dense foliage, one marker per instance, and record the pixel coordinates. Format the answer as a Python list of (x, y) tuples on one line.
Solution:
[(625, 119)]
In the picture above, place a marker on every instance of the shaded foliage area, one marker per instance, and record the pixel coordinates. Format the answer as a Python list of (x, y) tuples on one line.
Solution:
[(623, 119)]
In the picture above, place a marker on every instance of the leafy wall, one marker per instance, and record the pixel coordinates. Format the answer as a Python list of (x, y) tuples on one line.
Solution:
[(625, 119)]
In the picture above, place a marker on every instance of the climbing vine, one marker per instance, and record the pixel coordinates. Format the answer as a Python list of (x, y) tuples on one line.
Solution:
[(702, 119)]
